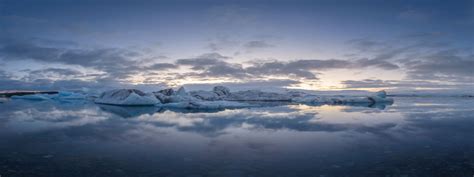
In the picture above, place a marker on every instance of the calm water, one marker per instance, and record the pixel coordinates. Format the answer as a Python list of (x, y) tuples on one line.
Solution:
[(413, 137)]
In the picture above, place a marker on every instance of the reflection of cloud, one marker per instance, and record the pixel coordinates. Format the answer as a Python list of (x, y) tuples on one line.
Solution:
[(36, 119), (129, 111)]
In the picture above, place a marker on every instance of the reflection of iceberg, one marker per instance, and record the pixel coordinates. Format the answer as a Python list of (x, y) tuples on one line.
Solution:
[(2, 99), (208, 105), (129, 111)]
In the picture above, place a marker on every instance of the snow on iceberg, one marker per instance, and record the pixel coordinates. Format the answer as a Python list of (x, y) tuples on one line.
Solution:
[(127, 97)]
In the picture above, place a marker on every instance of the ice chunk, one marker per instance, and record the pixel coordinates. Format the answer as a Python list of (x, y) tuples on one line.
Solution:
[(166, 92), (221, 90), (381, 94), (127, 97), (181, 92), (378, 97), (205, 95)]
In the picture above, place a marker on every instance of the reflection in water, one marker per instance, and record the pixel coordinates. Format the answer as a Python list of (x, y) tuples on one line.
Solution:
[(413, 137), (129, 111)]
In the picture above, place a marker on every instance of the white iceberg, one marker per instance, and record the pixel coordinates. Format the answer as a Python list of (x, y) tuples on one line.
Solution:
[(378, 97), (127, 97)]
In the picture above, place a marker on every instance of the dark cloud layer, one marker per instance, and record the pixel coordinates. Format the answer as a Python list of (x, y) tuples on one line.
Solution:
[(116, 62), (445, 65), (298, 68), (119, 64)]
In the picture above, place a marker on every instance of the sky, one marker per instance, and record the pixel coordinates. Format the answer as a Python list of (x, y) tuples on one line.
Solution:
[(370, 45)]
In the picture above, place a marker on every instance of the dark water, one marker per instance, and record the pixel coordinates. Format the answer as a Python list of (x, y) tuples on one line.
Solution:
[(413, 137)]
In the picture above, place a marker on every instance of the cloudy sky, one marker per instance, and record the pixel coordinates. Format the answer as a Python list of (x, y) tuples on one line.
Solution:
[(316, 45)]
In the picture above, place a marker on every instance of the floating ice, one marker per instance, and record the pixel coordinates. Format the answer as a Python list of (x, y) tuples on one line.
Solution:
[(127, 97), (378, 97), (38, 97), (63, 95), (217, 93), (221, 90)]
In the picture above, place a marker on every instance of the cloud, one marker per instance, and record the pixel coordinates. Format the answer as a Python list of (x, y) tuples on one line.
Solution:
[(378, 83), (444, 65), (375, 63), (162, 66), (257, 44), (56, 71), (307, 68), (270, 84), (53, 74), (118, 63), (222, 42), (408, 85)]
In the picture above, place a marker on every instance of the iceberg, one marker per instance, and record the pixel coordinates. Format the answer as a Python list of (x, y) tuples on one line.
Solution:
[(221, 97), (171, 96), (378, 97), (221, 90), (217, 93), (127, 97), (36, 97)]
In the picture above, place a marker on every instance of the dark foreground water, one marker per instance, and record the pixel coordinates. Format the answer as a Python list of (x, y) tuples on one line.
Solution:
[(413, 137)]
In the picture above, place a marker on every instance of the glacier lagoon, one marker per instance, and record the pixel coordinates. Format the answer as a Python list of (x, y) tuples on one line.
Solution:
[(414, 136)]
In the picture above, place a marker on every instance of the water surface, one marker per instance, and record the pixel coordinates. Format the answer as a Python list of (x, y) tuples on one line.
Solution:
[(412, 137)]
